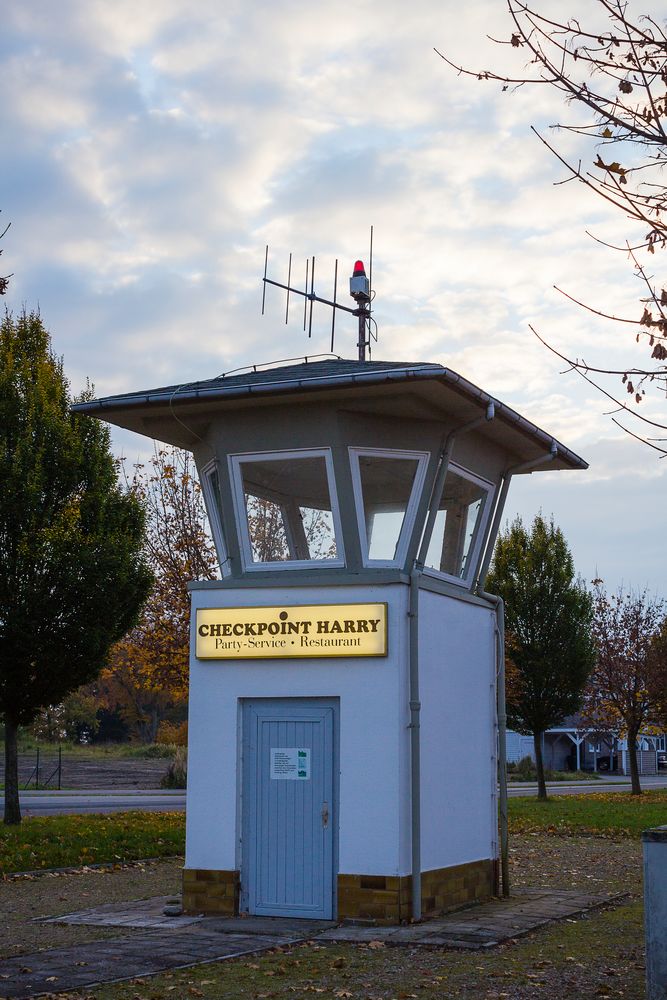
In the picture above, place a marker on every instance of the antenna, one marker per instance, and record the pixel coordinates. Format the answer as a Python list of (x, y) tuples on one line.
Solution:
[(361, 291)]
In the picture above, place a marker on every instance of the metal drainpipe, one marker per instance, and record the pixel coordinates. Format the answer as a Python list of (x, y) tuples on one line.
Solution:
[(413, 617), (501, 713), (500, 659)]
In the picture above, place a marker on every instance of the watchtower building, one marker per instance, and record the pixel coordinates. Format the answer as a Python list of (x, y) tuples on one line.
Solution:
[(343, 727)]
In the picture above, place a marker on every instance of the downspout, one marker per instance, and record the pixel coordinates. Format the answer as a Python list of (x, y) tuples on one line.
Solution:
[(500, 658), (413, 618)]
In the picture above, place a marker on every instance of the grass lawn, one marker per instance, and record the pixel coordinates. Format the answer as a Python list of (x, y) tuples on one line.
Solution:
[(616, 814), (64, 841), (143, 751)]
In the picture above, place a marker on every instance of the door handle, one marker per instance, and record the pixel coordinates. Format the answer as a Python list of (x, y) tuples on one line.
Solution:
[(325, 814)]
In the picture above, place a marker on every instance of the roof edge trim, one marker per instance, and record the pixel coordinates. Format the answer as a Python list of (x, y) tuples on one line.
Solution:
[(183, 394)]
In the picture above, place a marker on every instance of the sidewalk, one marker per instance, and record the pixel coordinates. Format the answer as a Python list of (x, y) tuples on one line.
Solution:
[(156, 947), (604, 779)]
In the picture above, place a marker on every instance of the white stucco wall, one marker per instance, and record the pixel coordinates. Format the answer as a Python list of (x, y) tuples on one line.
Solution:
[(458, 742), (457, 733), (373, 734)]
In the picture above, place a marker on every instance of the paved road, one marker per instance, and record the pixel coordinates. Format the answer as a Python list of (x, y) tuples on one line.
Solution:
[(50, 803), (104, 800), (611, 784)]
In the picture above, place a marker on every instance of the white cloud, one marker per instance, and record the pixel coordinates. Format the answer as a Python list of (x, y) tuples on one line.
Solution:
[(157, 147)]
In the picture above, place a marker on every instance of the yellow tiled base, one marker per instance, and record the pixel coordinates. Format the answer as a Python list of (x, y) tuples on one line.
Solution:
[(386, 899), (208, 891)]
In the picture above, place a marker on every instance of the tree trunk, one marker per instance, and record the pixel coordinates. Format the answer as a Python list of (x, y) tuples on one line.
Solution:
[(12, 805), (634, 769), (539, 766), (155, 724)]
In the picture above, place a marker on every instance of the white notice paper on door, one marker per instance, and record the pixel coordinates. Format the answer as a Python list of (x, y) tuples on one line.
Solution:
[(290, 764)]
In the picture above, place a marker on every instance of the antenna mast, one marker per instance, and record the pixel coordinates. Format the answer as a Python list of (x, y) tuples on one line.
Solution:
[(360, 290)]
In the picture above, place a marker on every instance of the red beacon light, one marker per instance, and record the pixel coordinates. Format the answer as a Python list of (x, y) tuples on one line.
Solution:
[(359, 285)]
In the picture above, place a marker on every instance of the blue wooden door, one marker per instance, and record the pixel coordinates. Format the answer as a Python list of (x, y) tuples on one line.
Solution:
[(288, 815)]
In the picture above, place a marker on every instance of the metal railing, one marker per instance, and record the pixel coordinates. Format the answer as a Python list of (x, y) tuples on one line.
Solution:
[(46, 783), (56, 767)]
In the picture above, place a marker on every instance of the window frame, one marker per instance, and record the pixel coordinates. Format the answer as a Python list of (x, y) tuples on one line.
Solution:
[(479, 532), (422, 458), (241, 510), (214, 513)]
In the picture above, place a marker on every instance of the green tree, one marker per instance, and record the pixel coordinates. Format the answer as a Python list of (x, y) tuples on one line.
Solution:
[(73, 575), (548, 617)]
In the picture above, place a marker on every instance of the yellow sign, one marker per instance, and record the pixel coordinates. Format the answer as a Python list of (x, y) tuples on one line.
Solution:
[(291, 631)]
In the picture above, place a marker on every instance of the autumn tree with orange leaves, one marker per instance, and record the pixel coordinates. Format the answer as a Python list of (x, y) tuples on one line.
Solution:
[(147, 675), (658, 676), (621, 696)]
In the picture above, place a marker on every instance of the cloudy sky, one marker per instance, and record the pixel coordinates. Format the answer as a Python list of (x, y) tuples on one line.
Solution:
[(151, 151)]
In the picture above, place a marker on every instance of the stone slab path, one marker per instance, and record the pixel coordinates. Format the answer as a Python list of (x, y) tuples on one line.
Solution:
[(482, 926), (116, 959), (153, 946)]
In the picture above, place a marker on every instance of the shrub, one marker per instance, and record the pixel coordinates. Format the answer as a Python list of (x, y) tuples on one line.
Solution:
[(177, 772), (175, 733), (524, 770)]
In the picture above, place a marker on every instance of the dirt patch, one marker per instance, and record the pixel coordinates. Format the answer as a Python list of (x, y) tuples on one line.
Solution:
[(79, 772)]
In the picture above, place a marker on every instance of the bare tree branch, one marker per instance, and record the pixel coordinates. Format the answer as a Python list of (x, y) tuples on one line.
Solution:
[(638, 437), (615, 67), (4, 281)]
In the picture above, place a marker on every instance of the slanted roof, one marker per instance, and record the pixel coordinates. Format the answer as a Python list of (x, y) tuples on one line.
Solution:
[(402, 388)]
